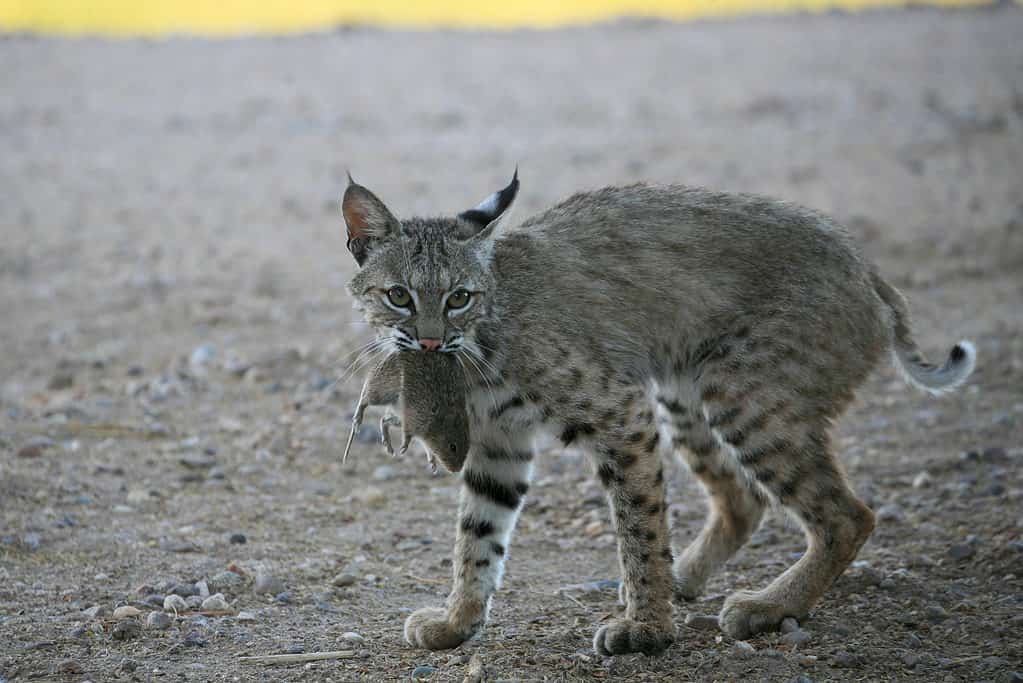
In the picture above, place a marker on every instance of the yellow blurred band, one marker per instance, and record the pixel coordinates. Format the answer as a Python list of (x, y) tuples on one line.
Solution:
[(239, 17)]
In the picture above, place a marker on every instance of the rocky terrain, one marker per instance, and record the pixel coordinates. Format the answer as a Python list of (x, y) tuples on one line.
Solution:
[(176, 339)]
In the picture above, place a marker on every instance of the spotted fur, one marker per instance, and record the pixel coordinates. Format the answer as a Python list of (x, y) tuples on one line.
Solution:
[(729, 328)]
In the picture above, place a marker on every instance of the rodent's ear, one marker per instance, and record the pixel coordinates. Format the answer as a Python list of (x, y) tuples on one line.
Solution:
[(367, 218), (493, 207)]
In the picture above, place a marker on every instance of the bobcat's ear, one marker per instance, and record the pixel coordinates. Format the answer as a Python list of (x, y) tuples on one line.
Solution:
[(367, 218), (493, 207)]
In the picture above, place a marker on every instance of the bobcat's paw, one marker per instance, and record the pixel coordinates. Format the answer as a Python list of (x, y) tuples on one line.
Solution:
[(429, 628), (622, 636), (747, 613)]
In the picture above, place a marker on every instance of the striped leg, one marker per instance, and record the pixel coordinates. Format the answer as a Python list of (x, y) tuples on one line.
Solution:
[(634, 479), (494, 481)]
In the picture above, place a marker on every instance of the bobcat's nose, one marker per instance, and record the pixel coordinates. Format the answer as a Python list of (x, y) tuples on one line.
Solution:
[(430, 344)]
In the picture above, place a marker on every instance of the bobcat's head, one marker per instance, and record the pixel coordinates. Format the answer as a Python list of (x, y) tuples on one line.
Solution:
[(424, 284)]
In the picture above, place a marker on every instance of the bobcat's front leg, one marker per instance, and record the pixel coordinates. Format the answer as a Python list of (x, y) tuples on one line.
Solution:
[(632, 475), (494, 480)]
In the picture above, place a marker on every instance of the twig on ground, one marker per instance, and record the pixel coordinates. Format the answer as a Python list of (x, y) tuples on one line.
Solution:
[(298, 659)]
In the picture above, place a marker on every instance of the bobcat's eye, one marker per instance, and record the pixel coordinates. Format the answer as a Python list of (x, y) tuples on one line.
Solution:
[(399, 296), (458, 299)]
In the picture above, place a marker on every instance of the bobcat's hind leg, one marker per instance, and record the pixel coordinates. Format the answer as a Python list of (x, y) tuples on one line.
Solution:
[(735, 508), (806, 479)]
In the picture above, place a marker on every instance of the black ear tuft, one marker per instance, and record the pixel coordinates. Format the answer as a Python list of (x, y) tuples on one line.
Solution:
[(491, 208)]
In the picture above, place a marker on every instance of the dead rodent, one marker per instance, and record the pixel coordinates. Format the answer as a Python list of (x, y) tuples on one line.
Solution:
[(429, 392)]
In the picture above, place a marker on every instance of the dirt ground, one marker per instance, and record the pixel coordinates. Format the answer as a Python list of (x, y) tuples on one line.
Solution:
[(173, 319)]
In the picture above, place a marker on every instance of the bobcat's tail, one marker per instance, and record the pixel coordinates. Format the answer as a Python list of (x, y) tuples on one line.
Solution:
[(917, 371)]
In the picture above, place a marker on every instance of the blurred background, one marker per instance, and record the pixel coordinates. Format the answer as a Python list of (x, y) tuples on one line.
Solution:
[(176, 340)]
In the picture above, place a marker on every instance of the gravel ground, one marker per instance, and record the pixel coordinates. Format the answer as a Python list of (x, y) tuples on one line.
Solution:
[(174, 319)]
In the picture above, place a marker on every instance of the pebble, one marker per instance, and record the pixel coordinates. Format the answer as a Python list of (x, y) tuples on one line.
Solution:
[(194, 639), (246, 616), (702, 622), (126, 612), (77, 631), (890, 513), (961, 551), (797, 637), (922, 481), (153, 599), (294, 649), (202, 588), (225, 582), (238, 539), (95, 611), (284, 597), (158, 621), (935, 613), (62, 379), (800, 679), (175, 603), (69, 667), (421, 673), (216, 603), (345, 579), (385, 473), (742, 648), (126, 629), (789, 625), (196, 461), (33, 448), (268, 583), (352, 637), (193, 602)]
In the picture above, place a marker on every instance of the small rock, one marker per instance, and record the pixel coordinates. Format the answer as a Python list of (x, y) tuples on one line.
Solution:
[(154, 600), (294, 649), (1011, 677), (268, 583), (62, 379), (226, 582), (345, 579), (69, 667), (197, 461), (126, 612), (284, 597), (890, 513), (202, 588), (94, 612), (910, 659), (158, 621), (845, 660), (789, 625), (183, 589), (797, 637), (352, 637), (31, 541), (216, 603), (385, 473), (128, 665), (743, 648), (364, 654), (961, 551), (422, 673), (175, 603), (101, 577), (702, 622), (201, 356), (194, 639), (33, 448), (238, 539), (935, 614), (77, 631), (126, 629), (800, 679), (246, 616), (193, 602), (922, 481)]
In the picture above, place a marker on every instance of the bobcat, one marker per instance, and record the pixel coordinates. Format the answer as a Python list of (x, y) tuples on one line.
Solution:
[(730, 328)]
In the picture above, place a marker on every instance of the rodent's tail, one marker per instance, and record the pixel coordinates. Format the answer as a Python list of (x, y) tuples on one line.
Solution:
[(917, 371)]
